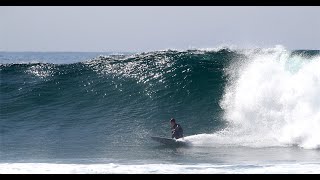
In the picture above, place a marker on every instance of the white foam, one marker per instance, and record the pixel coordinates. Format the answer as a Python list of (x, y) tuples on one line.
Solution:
[(111, 168), (272, 99), (276, 97)]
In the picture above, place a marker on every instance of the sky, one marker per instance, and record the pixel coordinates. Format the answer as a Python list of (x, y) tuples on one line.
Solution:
[(137, 29)]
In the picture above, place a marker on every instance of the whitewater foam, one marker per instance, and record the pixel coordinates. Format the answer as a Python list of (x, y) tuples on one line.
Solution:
[(271, 99), (276, 99), (112, 168)]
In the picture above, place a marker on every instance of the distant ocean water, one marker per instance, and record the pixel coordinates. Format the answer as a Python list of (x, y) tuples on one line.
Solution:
[(242, 111)]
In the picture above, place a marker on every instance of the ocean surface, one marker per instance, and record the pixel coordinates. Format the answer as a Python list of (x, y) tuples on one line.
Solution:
[(242, 111)]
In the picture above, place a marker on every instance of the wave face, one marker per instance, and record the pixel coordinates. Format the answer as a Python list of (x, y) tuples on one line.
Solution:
[(256, 98)]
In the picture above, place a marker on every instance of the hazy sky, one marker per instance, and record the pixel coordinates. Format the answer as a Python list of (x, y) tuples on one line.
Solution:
[(156, 28)]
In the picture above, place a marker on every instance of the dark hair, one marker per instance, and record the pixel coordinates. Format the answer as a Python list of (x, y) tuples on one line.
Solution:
[(172, 120)]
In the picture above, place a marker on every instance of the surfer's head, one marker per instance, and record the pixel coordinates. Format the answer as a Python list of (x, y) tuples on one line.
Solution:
[(172, 122)]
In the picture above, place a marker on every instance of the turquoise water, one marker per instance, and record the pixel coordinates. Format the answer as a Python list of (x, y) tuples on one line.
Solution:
[(240, 110)]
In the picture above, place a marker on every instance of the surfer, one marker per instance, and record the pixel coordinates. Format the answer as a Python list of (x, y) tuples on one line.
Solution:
[(176, 129)]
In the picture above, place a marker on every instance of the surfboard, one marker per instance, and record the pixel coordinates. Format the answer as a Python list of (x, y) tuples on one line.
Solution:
[(168, 141)]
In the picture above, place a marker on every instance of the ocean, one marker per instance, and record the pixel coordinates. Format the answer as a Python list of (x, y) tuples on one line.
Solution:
[(242, 111)]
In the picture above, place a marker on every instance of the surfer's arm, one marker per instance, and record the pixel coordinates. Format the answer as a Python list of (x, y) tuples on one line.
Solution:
[(176, 128)]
